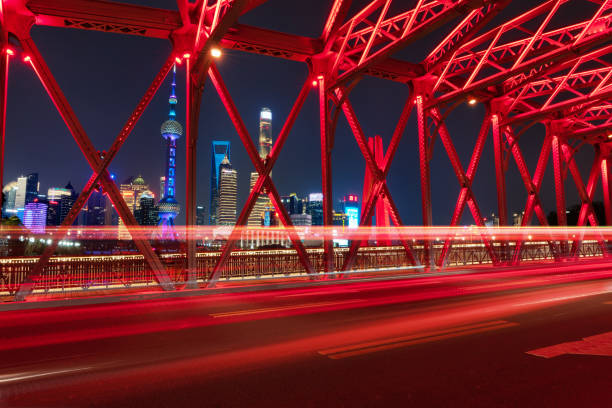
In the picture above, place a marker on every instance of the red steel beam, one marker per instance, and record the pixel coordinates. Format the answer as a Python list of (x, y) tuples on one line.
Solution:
[(585, 193), (101, 171), (533, 190), (263, 168), (607, 190), (5, 54), (61, 103), (559, 173), (106, 16), (424, 159), (543, 57), (500, 171), (378, 173), (356, 55), (326, 177), (466, 194)]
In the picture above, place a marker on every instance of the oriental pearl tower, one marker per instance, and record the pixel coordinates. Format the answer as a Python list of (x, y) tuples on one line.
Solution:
[(170, 130)]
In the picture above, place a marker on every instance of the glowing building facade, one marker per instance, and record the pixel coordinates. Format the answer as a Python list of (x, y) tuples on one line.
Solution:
[(256, 218), (35, 216), (220, 149), (228, 192), (171, 130)]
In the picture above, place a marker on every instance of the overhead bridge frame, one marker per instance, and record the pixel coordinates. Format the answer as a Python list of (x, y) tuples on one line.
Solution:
[(559, 76)]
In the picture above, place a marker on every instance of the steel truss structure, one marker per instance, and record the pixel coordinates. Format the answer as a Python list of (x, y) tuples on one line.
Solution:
[(526, 69)]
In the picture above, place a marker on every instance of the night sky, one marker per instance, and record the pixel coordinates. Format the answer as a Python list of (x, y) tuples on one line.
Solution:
[(104, 76)]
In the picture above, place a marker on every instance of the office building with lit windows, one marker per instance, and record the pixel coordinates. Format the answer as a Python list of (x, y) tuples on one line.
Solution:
[(220, 149), (228, 193)]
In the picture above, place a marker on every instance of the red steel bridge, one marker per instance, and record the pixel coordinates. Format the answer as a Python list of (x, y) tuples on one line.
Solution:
[(526, 69)]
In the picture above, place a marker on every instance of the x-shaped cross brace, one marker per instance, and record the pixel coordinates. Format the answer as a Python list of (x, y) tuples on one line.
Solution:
[(263, 168), (465, 180), (586, 193), (99, 166), (379, 188), (532, 185)]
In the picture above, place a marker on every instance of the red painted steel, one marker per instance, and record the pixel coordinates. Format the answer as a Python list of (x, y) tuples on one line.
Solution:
[(263, 168), (326, 176), (424, 159), (78, 133), (526, 70)]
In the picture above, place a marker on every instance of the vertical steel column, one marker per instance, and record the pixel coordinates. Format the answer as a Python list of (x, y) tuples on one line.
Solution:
[(425, 177), (382, 210), (559, 188), (192, 96), (605, 181), (498, 147), (4, 69), (326, 180)]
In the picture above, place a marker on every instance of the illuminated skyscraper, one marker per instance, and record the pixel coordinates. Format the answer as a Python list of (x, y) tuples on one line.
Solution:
[(350, 207), (10, 193), (132, 190), (228, 190), (54, 200), (265, 132), (147, 213), (170, 130), (265, 146), (35, 216), (96, 209), (220, 149), (200, 215), (314, 207), (66, 201)]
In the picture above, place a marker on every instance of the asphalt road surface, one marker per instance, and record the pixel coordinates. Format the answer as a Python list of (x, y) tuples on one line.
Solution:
[(526, 338)]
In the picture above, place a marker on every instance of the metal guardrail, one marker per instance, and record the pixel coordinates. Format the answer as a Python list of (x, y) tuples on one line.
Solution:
[(78, 273)]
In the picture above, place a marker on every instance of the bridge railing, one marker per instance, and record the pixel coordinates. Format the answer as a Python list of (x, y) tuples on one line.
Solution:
[(77, 273)]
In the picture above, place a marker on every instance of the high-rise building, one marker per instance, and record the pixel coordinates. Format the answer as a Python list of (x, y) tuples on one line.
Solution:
[(171, 130), (147, 213), (350, 207), (219, 150), (265, 132), (20, 194), (257, 213), (256, 218), (131, 190), (35, 216), (66, 202), (31, 191), (200, 215), (314, 207), (96, 209), (56, 193), (10, 193), (293, 204), (228, 190)]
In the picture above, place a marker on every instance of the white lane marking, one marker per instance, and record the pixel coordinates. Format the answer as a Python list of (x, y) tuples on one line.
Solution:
[(8, 378)]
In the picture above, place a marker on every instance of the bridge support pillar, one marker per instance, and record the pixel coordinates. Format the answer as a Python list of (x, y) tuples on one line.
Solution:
[(193, 95), (424, 159), (5, 55), (326, 175), (559, 187), (605, 181)]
